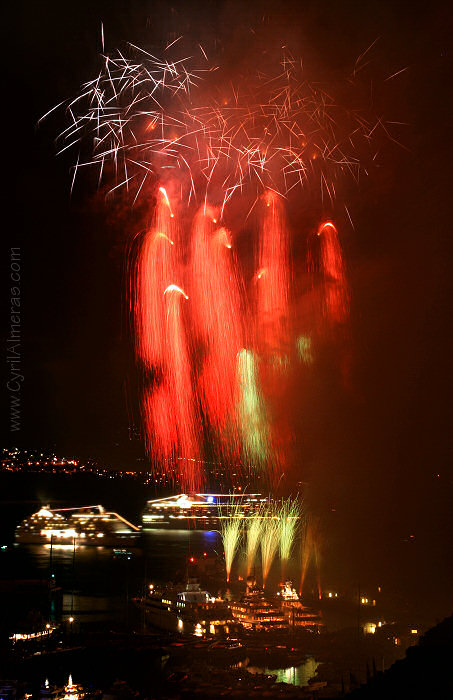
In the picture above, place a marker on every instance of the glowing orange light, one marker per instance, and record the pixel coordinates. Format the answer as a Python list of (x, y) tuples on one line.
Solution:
[(164, 192), (269, 197), (175, 288), (326, 224), (223, 236), (162, 235)]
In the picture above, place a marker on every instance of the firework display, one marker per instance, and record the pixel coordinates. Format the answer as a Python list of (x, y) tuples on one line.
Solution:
[(272, 278), (142, 114), (231, 531), (235, 324), (271, 529), (192, 344), (269, 543), (155, 271), (216, 342), (335, 296), (217, 321)]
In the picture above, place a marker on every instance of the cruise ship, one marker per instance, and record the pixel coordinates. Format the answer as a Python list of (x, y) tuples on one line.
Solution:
[(87, 525), (199, 511)]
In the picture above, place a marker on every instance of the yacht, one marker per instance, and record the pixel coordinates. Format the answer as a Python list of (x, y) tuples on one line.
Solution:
[(186, 609), (256, 612)]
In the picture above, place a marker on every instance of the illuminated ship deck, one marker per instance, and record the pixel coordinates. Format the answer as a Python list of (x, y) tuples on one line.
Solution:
[(199, 511), (255, 612), (88, 525), (186, 611)]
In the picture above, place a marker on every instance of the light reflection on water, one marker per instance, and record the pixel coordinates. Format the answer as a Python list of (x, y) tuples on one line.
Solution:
[(95, 569), (97, 581), (295, 675)]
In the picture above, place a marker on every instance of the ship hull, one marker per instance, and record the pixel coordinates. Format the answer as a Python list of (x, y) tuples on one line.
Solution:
[(180, 524), (79, 541)]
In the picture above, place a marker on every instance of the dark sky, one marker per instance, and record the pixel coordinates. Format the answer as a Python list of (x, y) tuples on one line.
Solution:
[(373, 451)]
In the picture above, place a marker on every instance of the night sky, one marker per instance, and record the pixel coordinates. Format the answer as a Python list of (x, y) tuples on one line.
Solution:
[(376, 455)]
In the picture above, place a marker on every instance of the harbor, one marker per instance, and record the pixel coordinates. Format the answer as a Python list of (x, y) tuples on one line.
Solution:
[(166, 601)]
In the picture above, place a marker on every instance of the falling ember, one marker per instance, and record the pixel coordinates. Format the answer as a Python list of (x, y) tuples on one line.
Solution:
[(304, 349), (251, 411), (273, 278), (335, 292), (161, 436), (217, 320), (156, 267), (169, 410), (269, 542), (179, 373)]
